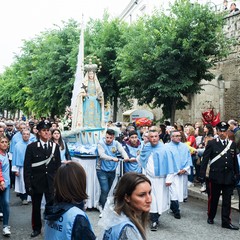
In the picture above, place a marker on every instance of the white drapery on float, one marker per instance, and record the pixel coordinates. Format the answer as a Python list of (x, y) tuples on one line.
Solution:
[(82, 139)]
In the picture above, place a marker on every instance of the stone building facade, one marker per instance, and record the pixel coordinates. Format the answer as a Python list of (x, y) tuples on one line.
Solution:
[(221, 94)]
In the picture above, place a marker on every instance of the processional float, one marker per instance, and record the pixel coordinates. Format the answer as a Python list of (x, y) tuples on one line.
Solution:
[(87, 106)]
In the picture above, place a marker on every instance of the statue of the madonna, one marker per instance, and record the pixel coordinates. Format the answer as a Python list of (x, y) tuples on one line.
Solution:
[(90, 101)]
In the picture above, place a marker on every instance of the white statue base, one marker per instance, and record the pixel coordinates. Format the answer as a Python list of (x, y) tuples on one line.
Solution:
[(83, 141)]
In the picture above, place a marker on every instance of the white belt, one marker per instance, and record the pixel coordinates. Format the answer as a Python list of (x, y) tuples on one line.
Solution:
[(46, 161)]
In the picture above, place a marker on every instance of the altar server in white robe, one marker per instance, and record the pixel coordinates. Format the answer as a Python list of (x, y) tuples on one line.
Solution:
[(182, 157), (157, 164), (17, 164)]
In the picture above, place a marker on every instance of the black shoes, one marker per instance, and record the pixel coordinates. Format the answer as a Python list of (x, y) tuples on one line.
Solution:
[(177, 215), (210, 221), (35, 233), (154, 226), (230, 226)]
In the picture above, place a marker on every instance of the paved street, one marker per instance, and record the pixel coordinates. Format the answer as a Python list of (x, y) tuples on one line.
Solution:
[(192, 225)]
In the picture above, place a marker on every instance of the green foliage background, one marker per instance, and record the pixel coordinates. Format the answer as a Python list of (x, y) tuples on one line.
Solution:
[(159, 60)]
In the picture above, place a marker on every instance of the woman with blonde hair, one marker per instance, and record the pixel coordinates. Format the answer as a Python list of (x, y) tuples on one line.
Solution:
[(190, 134)]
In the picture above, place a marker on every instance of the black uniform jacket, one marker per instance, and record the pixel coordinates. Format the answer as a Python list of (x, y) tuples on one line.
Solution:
[(225, 170), (40, 178)]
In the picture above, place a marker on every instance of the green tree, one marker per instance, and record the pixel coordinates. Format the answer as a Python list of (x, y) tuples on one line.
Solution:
[(103, 38), (167, 56), (44, 71), (8, 83), (41, 78), (53, 58)]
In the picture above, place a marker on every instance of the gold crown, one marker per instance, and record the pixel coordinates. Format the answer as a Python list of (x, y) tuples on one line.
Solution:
[(94, 64)]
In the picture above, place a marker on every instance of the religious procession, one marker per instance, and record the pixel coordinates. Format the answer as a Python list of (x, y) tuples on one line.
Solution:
[(118, 165), (138, 170)]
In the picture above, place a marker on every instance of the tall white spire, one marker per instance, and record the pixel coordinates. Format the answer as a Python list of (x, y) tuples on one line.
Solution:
[(79, 75)]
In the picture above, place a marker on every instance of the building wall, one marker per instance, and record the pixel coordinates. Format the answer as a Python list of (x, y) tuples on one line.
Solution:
[(137, 8), (221, 93), (231, 69)]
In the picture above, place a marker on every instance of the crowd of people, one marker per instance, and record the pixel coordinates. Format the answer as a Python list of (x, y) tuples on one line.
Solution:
[(30, 154), (167, 156), (159, 164), (174, 158), (232, 9)]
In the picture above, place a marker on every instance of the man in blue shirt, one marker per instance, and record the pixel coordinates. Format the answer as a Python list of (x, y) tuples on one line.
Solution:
[(108, 150), (133, 147)]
